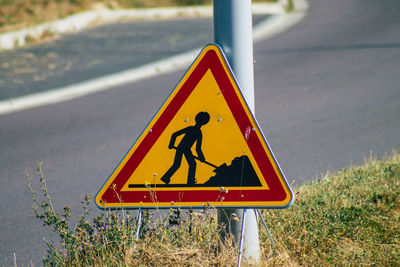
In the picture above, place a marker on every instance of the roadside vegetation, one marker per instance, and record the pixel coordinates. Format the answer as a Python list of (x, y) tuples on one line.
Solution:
[(18, 14), (351, 217)]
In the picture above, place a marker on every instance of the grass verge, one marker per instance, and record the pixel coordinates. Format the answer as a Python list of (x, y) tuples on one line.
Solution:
[(17, 14), (349, 218)]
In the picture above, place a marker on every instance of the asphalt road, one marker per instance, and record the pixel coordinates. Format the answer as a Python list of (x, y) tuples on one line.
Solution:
[(327, 94), (102, 50), (327, 90)]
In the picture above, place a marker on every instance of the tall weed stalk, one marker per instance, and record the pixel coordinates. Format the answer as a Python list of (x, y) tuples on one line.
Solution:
[(109, 239)]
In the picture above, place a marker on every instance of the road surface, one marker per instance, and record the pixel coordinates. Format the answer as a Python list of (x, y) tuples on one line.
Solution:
[(327, 94)]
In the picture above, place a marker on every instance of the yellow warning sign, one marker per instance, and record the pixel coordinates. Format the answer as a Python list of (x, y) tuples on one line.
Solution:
[(221, 141), (204, 137)]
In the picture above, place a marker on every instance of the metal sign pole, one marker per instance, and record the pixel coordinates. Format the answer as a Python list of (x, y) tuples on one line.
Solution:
[(241, 238), (139, 224), (233, 32)]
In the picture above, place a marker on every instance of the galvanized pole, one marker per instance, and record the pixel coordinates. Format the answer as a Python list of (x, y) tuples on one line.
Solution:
[(233, 32)]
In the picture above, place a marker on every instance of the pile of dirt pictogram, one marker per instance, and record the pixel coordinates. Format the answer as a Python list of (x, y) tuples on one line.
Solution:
[(239, 173)]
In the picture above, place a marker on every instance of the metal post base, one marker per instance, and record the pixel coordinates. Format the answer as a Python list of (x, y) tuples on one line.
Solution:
[(257, 213)]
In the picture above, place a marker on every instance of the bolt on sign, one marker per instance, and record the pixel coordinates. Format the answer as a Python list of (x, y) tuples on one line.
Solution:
[(203, 147)]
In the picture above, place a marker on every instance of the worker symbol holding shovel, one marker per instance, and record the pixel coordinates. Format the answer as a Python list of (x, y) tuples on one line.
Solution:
[(192, 134)]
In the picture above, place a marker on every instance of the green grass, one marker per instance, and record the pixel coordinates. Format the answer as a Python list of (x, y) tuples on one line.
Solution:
[(348, 218)]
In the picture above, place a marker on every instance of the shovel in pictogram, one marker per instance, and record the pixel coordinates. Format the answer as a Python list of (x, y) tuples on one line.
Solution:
[(217, 169)]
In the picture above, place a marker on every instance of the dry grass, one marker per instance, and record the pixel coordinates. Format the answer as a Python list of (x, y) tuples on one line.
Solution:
[(349, 218), (17, 14)]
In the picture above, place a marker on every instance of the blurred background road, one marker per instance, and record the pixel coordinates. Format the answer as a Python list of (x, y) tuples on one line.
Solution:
[(99, 51), (327, 95)]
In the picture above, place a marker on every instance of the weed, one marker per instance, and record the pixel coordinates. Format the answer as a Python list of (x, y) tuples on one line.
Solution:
[(110, 238), (349, 218)]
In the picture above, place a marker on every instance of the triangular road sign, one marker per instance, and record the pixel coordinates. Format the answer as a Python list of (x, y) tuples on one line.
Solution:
[(202, 147)]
